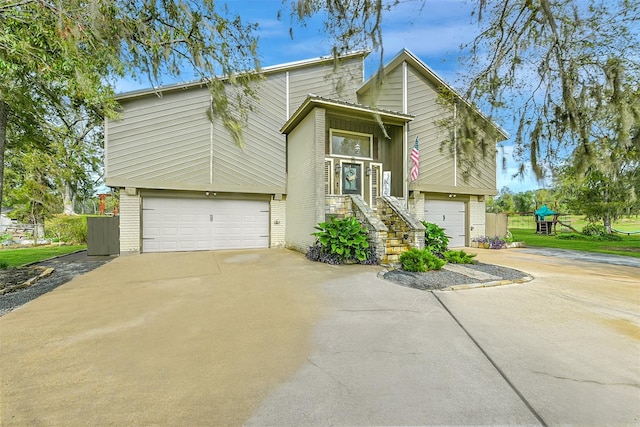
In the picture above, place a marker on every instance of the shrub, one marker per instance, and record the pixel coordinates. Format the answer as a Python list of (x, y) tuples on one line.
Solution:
[(420, 260), (67, 228), (6, 238), (598, 232), (342, 240), (435, 239), (459, 257), (4, 265), (592, 229)]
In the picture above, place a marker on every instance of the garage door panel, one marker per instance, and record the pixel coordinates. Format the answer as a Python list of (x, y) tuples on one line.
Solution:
[(203, 224), (451, 216)]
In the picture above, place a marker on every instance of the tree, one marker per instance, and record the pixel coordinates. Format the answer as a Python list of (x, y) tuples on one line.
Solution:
[(600, 197), (503, 202), (54, 53), (73, 152), (608, 189), (563, 65), (524, 201), (32, 192)]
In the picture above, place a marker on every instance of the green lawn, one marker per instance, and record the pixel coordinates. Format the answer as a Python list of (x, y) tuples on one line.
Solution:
[(625, 224), (21, 256), (628, 246)]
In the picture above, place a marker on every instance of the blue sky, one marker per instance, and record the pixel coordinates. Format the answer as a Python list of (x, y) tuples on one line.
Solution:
[(433, 30)]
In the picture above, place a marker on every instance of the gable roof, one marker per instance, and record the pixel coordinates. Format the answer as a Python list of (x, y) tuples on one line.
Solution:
[(313, 101), (289, 66), (407, 56)]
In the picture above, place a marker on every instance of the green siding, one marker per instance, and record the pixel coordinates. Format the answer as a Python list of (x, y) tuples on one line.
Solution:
[(389, 96), (161, 139)]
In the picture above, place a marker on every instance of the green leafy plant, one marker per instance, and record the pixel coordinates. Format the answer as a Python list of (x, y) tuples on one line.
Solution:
[(420, 260), (459, 257), (346, 239), (598, 232), (435, 239), (6, 238), (67, 228), (4, 265)]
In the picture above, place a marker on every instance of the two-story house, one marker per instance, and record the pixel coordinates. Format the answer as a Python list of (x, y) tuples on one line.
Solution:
[(314, 141)]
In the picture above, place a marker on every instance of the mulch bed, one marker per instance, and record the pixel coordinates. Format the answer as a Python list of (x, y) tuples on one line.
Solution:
[(16, 276), (441, 279)]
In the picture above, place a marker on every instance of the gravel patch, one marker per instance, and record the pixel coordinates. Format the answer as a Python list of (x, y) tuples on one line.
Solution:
[(441, 279), (63, 272)]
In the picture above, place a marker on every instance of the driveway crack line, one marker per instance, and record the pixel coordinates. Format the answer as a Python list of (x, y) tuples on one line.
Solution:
[(493, 363), (329, 375), (586, 381)]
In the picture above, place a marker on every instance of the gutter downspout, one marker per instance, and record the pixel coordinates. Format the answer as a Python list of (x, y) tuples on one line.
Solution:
[(405, 137), (455, 143)]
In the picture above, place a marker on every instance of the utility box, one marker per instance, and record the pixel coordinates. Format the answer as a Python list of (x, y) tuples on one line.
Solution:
[(103, 235)]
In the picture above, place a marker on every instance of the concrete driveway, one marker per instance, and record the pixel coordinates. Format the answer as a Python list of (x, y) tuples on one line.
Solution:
[(269, 338)]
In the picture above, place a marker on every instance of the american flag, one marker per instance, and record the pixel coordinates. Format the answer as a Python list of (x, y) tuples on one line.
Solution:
[(415, 161)]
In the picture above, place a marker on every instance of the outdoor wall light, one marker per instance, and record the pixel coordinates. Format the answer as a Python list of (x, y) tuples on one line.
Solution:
[(452, 195), (337, 168), (368, 171)]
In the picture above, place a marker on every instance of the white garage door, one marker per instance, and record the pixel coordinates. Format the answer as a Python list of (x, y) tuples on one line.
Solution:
[(170, 225), (450, 216)]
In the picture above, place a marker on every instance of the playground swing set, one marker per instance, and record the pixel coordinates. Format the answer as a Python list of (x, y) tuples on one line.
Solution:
[(548, 226)]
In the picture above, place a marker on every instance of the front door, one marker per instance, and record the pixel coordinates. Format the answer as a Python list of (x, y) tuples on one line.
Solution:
[(355, 177)]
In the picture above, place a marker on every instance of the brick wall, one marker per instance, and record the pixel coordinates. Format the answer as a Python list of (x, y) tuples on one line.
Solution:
[(477, 218), (129, 222), (416, 205), (278, 223)]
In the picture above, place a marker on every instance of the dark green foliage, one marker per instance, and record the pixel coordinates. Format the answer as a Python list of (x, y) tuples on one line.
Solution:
[(599, 232), (459, 257), (594, 230), (420, 260), (342, 240), (435, 239), (4, 265)]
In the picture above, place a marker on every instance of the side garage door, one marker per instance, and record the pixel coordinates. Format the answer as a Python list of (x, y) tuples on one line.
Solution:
[(199, 224), (450, 216)]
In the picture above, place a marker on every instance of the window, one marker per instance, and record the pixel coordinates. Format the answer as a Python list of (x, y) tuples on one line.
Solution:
[(351, 144)]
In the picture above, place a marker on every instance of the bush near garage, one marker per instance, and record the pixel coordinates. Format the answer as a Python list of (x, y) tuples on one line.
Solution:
[(67, 229), (459, 257), (435, 239), (340, 241), (420, 260)]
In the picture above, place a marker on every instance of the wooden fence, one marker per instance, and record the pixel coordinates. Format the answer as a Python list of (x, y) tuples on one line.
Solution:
[(103, 235), (496, 224)]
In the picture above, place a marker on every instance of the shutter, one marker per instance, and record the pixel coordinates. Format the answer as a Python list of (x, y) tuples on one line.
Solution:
[(376, 183), (328, 175)]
